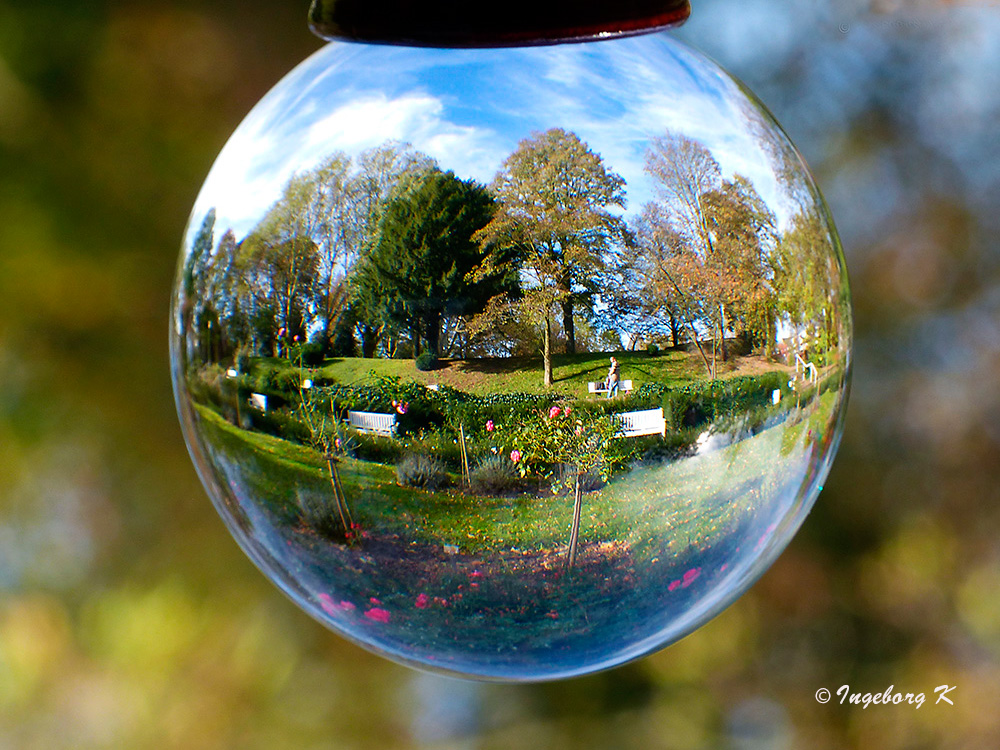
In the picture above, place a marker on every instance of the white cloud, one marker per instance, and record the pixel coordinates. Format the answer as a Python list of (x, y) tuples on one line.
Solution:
[(468, 109), (417, 118), (271, 146)]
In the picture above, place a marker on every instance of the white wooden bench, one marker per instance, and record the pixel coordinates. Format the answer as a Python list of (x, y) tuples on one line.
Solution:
[(808, 369), (374, 422), (637, 423), (624, 386)]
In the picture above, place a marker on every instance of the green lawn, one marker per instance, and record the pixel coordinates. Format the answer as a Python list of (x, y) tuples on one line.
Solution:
[(524, 374), (689, 501)]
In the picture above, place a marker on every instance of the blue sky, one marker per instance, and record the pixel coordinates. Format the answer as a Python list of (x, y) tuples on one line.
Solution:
[(468, 109)]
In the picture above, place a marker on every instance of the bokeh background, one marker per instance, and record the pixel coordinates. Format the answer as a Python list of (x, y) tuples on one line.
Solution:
[(129, 618)]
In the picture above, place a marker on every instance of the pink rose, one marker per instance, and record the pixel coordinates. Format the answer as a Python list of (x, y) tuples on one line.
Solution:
[(690, 577), (554, 412), (566, 411), (515, 455), (331, 607), (490, 426), (378, 614), (421, 601)]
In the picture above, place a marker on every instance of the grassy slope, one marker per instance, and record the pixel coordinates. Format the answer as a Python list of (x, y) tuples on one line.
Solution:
[(524, 374), (638, 508)]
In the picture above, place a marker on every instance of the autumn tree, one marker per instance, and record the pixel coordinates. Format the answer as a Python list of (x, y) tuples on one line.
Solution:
[(705, 245), (194, 276), (230, 292), (333, 201), (555, 216), (744, 234), (641, 297), (685, 173), (809, 280), (666, 275), (282, 260)]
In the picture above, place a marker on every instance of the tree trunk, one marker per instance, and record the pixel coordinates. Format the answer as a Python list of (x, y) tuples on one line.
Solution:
[(722, 333), (704, 358), (415, 336), (369, 341), (674, 329), (568, 325), (432, 332), (547, 352), (771, 336)]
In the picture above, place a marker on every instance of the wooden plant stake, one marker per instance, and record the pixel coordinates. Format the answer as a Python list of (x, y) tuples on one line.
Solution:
[(577, 510), (338, 493), (466, 478)]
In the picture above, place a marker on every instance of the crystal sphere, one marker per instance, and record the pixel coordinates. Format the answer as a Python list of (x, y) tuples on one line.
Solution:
[(511, 363)]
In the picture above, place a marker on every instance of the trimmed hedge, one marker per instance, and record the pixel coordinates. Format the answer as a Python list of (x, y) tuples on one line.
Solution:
[(697, 404), (428, 421)]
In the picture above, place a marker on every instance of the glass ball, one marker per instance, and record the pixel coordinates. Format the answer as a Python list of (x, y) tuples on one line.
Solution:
[(511, 363)]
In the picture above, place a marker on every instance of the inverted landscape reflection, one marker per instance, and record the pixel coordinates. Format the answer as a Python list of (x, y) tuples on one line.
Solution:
[(516, 364)]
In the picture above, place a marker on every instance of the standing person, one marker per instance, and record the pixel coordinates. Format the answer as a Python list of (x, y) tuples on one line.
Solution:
[(613, 378)]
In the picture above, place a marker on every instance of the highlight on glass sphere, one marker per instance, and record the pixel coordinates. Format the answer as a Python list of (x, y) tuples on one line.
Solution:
[(515, 364)]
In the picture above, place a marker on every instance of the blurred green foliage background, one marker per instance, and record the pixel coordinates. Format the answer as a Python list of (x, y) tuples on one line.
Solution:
[(129, 618)]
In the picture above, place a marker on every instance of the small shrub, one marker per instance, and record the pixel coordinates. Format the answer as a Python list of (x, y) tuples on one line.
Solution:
[(375, 448), (495, 476), (652, 350), (420, 471), (319, 513), (278, 423), (243, 358), (205, 386), (591, 482), (426, 361), (288, 381), (344, 344), (312, 354), (267, 381), (440, 446)]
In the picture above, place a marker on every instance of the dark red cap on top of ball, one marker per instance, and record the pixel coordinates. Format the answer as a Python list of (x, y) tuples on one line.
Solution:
[(493, 23)]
